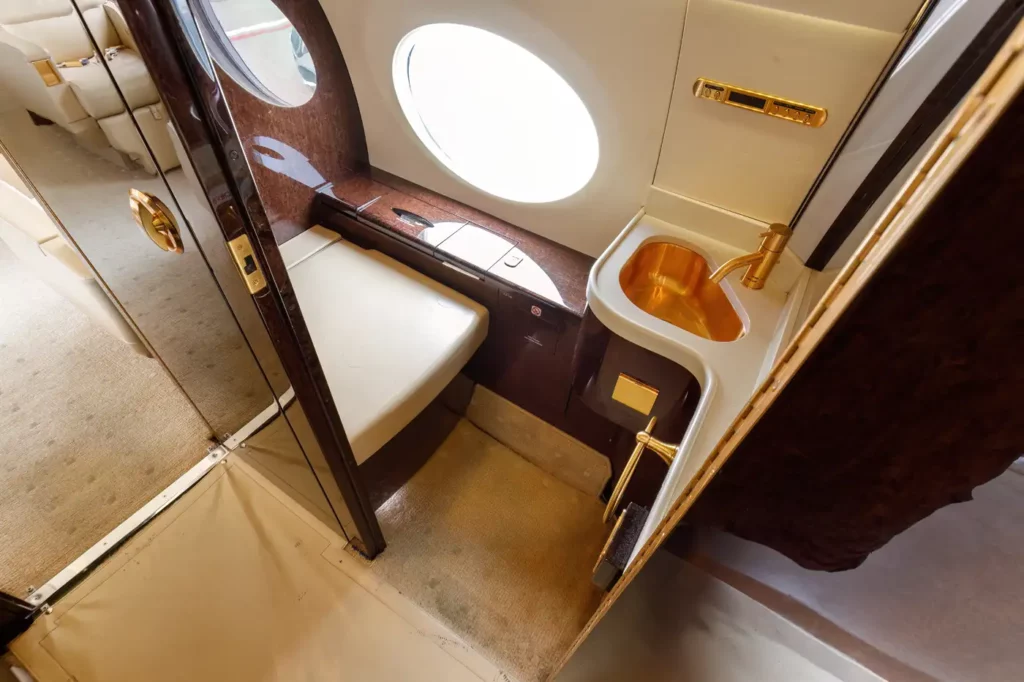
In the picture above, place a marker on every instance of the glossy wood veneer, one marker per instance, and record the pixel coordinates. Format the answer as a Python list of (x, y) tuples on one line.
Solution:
[(294, 151), (567, 269)]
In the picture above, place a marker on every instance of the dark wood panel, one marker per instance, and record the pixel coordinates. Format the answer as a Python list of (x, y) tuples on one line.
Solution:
[(318, 140), (600, 357), (912, 399)]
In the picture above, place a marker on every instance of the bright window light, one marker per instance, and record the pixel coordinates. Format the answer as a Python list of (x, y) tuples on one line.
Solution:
[(494, 114)]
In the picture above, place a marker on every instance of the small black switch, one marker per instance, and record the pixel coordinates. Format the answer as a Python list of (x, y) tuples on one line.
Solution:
[(250, 265)]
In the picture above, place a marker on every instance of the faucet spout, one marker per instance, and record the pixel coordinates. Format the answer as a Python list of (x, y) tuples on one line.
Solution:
[(759, 263), (734, 264)]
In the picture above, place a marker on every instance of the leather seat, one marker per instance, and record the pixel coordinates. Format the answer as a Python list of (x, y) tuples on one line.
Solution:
[(91, 85), (33, 238), (388, 337)]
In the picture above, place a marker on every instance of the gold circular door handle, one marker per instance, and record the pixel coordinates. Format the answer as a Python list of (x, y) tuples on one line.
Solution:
[(156, 220)]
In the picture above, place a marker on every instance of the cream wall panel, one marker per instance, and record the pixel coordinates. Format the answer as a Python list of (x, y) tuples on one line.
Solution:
[(17, 11), (619, 57), (62, 36), (745, 162), (885, 15), (951, 27)]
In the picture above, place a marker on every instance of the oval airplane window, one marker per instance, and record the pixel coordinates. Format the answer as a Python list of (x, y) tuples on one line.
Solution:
[(253, 41), (494, 113)]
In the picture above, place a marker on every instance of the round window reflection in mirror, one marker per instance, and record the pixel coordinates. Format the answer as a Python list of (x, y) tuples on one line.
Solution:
[(257, 46)]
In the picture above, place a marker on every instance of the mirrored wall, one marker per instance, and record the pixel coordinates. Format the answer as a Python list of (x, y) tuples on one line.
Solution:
[(129, 345)]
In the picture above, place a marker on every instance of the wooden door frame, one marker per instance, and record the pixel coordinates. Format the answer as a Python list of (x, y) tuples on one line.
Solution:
[(998, 87), (196, 105)]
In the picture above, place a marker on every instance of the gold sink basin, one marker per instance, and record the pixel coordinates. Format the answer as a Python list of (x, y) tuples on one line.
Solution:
[(671, 282)]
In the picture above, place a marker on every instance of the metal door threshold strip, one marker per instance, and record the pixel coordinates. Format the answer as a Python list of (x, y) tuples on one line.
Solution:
[(115, 538)]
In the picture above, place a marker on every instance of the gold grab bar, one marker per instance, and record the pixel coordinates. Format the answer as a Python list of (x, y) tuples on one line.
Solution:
[(644, 441), (156, 220)]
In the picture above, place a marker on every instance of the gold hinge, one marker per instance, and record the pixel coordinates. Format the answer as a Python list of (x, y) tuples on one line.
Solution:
[(248, 266)]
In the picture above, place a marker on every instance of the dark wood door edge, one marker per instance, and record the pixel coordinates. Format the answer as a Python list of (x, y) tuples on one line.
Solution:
[(932, 112), (15, 617), (196, 105)]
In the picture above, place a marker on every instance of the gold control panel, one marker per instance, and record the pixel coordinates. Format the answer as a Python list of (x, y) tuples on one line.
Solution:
[(723, 93)]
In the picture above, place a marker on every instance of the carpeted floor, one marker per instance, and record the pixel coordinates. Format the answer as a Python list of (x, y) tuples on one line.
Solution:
[(498, 550), (89, 430)]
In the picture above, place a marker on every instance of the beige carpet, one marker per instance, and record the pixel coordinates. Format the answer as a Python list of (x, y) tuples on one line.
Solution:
[(496, 549), (89, 430)]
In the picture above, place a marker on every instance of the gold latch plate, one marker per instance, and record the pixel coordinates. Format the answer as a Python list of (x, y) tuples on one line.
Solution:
[(635, 394), (248, 266)]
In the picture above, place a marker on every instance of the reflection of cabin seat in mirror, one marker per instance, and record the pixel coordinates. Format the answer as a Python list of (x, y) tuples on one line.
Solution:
[(48, 67), (258, 47)]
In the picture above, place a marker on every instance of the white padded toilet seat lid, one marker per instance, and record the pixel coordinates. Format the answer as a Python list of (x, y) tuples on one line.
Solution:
[(388, 337)]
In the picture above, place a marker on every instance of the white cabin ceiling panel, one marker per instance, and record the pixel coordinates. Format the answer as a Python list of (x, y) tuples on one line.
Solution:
[(743, 161), (619, 57), (885, 15)]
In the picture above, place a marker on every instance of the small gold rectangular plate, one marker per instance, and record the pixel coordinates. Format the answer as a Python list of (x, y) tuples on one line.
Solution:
[(751, 100), (248, 266), (634, 394), (44, 67)]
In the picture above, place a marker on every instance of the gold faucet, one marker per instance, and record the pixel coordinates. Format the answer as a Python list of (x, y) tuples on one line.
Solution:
[(760, 263)]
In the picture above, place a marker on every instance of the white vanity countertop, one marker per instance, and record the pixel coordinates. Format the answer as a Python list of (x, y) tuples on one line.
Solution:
[(728, 372)]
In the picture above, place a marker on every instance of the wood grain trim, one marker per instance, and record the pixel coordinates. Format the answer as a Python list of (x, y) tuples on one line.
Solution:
[(989, 97), (325, 134)]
